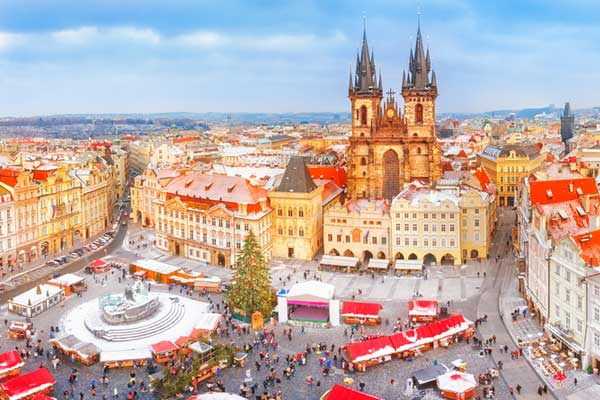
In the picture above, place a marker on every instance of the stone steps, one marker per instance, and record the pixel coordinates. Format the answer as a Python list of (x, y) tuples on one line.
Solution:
[(172, 317)]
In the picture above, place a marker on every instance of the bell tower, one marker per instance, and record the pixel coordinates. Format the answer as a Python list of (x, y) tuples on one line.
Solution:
[(365, 93), (419, 90)]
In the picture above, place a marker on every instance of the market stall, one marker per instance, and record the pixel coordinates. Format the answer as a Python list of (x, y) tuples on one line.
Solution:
[(125, 358), (155, 270), (210, 284), (38, 382), (206, 325), (360, 313), (36, 300), (408, 267), (426, 377), (361, 355), (379, 266), (339, 392), (456, 385), (99, 266), (338, 263), (204, 352), (70, 345), (164, 351), (422, 310), (10, 364), (183, 342), (20, 330), (70, 283)]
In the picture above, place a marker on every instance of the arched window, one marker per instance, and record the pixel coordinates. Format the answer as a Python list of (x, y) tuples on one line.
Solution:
[(301, 212), (301, 232), (290, 212), (418, 150), (279, 212), (363, 161), (363, 115), (279, 230), (291, 232), (419, 113)]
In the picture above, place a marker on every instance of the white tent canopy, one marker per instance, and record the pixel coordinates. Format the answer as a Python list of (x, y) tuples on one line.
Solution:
[(339, 261), (456, 382), (378, 263), (412, 265), (311, 290)]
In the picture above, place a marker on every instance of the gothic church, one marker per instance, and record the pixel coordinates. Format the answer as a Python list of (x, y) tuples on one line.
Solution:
[(389, 148)]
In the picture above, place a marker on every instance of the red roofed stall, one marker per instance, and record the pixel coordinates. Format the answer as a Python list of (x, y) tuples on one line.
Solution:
[(99, 266), (361, 313), (422, 310), (164, 351), (10, 364), (360, 355), (339, 392), (26, 387)]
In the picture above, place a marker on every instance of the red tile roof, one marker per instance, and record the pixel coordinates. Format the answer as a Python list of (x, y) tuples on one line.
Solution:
[(557, 191), (163, 347), (482, 177), (9, 176), (339, 392), (214, 189), (332, 172), (589, 247)]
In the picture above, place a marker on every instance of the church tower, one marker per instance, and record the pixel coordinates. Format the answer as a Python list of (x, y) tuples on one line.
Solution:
[(365, 94), (567, 126), (419, 90)]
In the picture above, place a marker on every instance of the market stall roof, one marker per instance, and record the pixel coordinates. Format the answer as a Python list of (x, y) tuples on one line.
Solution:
[(339, 392), (311, 291), (182, 340), (124, 355), (67, 280), (422, 307), (216, 396), (42, 397), (36, 295), (409, 265), (208, 279), (377, 263), (9, 361), (70, 343), (339, 261), (427, 333), (456, 382), (100, 263), (429, 374), (200, 347), (207, 322), (156, 266), (361, 310), (27, 384), (163, 346), (369, 349)]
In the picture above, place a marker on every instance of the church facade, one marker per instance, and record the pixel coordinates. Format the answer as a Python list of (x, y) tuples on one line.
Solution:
[(390, 147)]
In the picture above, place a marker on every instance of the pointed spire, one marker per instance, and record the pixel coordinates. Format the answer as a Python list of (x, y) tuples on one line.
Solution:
[(428, 60), (433, 79), (350, 84), (403, 78), (419, 64), (380, 85), (365, 68), (567, 110)]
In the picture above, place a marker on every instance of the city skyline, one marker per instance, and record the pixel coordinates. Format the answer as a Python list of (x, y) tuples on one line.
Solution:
[(141, 57)]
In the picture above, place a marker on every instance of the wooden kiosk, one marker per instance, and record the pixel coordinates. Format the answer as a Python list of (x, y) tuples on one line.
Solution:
[(164, 351)]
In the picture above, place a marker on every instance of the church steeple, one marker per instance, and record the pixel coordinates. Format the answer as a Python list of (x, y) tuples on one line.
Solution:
[(419, 66), (365, 82)]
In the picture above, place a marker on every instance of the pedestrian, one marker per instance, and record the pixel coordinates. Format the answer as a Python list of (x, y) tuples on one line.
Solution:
[(519, 389), (540, 390), (575, 381)]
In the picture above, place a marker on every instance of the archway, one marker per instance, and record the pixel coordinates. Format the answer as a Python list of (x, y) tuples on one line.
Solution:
[(447, 259), (429, 259), (348, 253), (221, 260), (391, 178), (399, 256), (381, 255), (366, 257), (474, 253), (413, 256), (334, 252)]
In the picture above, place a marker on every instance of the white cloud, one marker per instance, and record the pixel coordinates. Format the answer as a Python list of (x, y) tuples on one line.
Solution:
[(9, 40), (201, 40)]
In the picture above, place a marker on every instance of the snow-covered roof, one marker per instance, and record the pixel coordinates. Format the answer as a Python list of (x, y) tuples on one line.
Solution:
[(67, 280), (124, 355), (157, 266), (36, 295)]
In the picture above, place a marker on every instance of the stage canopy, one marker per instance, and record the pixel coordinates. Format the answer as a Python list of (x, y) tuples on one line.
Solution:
[(305, 293), (456, 382), (339, 392), (361, 310), (26, 385), (422, 307)]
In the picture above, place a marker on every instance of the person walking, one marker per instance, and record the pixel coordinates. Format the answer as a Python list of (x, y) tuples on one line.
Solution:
[(519, 389)]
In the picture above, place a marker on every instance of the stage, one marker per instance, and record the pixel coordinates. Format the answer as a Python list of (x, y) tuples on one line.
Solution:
[(310, 314)]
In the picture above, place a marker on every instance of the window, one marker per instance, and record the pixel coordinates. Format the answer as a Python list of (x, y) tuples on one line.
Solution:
[(477, 223), (443, 227), (596, 314), (557, 311), (374, 239), (415, 243), (452, 242), (204, 237), (433, 215), (567, 320), (419, 113), (406, 241), (425, 242), (579, 325), (433, 243), (579, 303), (443, 216), (451, 215), (204, 219), (363, 115), (557, 269), (596, 290), (451, 227), (406, 228), (290, 212), (339, 238), (425, 228), (301, 232), (557, 289), (434, 228), (464, 211), (567, 275), (347, 238), (220, 223), (414, 215), (397, 227), (567, 295), (384, 240), (290, 231), (414, 227), (280, 230), (329, 237), (477, 211), (279, 212), (397, 241), (246, 227), (301, 213), (425, 215)]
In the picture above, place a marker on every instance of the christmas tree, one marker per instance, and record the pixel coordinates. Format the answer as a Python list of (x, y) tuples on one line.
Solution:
[(251, 290)]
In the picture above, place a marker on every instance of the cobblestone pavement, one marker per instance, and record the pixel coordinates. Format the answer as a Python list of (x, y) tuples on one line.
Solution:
[(469, 294)]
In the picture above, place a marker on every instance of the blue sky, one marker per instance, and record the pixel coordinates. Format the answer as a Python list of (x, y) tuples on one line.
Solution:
[(73, 56)]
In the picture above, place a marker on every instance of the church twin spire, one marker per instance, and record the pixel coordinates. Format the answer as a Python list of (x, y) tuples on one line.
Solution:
[(419, 67), (365, 80)]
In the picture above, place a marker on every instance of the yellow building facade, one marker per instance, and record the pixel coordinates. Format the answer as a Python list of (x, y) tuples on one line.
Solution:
[(507, 165)]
